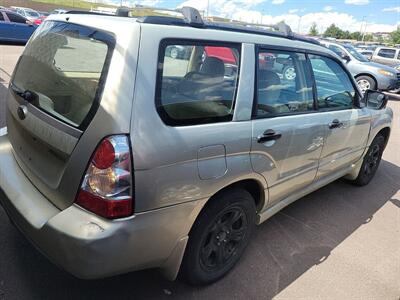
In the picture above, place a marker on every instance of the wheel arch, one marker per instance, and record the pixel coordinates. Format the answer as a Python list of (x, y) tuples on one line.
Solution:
[(251, 185), (368, 75), (386, 133)]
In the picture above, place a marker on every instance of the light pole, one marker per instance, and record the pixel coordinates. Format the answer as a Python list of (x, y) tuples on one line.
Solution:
[(362, 23), (262, 16), (361, 28), (298, 26), (365, 30)]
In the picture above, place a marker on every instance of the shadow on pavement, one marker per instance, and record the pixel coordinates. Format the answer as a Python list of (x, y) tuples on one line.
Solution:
[(282, 249)]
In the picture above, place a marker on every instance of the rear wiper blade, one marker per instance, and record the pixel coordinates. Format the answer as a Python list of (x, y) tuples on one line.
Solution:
[(15, 89), (27, 95)]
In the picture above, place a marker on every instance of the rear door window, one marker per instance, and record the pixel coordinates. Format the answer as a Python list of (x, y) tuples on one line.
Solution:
[(63, 67), (16, 18), (197, 82), (284, 84), (387, 53)]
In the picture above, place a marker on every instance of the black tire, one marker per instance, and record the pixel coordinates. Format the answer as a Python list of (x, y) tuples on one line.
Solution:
[(219, 237), (371, 161), (370, 80)]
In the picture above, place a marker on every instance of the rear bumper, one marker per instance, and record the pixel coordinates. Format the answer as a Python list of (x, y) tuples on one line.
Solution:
[(86, 245)]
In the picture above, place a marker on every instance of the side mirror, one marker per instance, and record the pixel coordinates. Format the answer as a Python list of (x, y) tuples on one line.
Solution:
[(375, 100), (29, 23), (345, 58)]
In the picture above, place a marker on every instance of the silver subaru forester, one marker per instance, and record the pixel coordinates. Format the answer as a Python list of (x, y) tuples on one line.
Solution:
[(161, 141)]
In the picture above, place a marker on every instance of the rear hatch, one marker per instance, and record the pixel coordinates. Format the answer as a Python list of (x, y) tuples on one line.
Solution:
[(54, 95)]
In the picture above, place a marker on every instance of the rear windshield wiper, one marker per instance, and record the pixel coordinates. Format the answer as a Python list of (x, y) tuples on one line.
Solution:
[(27, 95)]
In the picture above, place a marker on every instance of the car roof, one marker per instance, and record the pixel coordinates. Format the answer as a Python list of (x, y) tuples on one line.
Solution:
[(385, 47), (9, 11), (331, 42)]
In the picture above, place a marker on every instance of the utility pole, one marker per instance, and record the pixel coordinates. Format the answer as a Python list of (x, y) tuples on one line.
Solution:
[(208, 8)]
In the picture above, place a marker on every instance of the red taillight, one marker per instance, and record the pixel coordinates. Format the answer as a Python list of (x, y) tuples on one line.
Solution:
[(106, 188), (37, 21), (104, 207), (104, 156)]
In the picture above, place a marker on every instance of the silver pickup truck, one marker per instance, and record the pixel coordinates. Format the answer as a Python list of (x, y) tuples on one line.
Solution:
[(387, 56)]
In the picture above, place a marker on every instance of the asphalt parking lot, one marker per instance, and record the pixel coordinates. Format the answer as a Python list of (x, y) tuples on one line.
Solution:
[(341, 242)]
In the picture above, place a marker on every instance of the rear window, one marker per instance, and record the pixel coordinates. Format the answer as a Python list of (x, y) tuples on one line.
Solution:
[(64, 66), (197, 82)]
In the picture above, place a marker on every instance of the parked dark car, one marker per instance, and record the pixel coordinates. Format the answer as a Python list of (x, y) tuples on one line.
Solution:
[(14, 27)]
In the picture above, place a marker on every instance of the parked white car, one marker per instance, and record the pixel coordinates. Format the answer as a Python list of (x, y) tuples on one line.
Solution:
[(28, 13)]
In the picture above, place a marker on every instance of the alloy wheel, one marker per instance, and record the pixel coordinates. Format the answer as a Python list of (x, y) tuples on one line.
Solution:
[(372, 160), (290, 73), (223, 238), (364, 85)]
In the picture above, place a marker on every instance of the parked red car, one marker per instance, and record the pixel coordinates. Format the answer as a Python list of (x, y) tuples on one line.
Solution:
[(39, 20), (223, 53)]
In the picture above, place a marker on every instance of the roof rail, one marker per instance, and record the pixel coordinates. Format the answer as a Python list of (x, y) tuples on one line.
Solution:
[(280, 27), (192, 17), (84, 12)]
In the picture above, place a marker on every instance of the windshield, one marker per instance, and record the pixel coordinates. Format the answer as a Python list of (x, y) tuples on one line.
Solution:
[(355, 53)]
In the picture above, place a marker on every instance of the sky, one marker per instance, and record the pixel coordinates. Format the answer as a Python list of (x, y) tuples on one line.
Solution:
[(352, 15)]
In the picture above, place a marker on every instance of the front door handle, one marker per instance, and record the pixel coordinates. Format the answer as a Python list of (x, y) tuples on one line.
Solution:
[(335, 124), (268, 135)]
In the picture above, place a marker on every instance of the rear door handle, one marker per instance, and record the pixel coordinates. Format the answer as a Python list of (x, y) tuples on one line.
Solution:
[(268, 135), (335, 124)]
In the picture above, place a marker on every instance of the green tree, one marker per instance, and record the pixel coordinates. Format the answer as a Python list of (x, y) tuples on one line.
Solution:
[(313, 30), (395, 35), (356, 36), (334, 32), (368, 38)]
